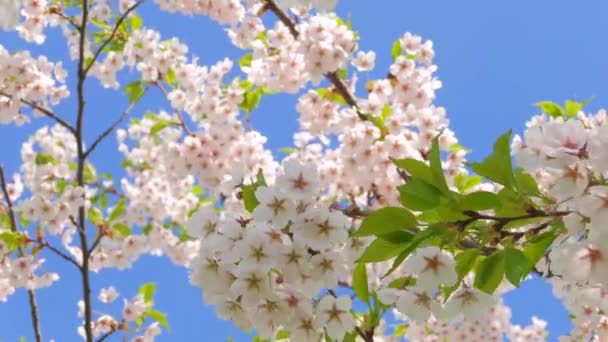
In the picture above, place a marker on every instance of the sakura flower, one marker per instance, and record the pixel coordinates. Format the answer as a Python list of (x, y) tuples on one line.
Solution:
[(334, 314), (470, 302), (108, 295), (418, 303), (9, 13), (299, 181), (274, 206), (364, 61), (433, 267)]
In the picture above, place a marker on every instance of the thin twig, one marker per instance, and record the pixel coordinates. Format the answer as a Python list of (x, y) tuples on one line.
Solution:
[(30, 293), (112, 35), (106, 335), (61, 254), (109, 130), (182, 122), (331, 76), (44, 111)]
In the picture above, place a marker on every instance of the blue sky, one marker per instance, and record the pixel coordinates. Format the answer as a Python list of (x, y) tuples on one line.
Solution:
[(495, 60)]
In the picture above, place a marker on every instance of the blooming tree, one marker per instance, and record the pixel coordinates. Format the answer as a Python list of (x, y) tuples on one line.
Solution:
[(376, 202)]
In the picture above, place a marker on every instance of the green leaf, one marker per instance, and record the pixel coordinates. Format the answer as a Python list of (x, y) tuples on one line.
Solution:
[(249, 199), (147, 290), (360, 282), (497, 166), (535, 248), (466, 183), (517, 265), (419, 195), (89, 173), (330, 95), (525, 183), (95, 216), (465, 261), (251, 99), (12, 240), (134, 91), (572, 108), (159, 317), (436, 168), (281, 335), (418, 239), (118, 210), (416, 169), (550, 108), (386, 220), (43, 159), (136, 22), (160, 125), (479, 200), (381, 249), (396, 49), (287, 150), (489, 272), (122, 229), (245, 61)]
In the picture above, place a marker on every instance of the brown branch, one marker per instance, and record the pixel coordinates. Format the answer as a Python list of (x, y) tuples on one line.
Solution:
[(331, 76), (109, 130), (112, 35), (30, 293), (84, 268), (106, 335), (44, 111), (61, 254), (182, 122)]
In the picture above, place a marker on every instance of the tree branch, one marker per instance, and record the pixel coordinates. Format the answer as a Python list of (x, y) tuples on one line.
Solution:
[(44, 111), (109, 130), (182, 123), (112, 35), (84, 268), (331, 76), (61, 254), (30, 293)]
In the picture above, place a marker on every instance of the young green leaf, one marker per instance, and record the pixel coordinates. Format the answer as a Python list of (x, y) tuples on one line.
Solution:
[(536, 247), (436, 168), (134, 90), (489, 272), (551, 109), (118, 210), (416, 169), (360, 282), (159, 317), (396, 49), (147, 291), (381, 250), (497, 166), (517, 265), (479, 200), (386, 220), (419, 195)]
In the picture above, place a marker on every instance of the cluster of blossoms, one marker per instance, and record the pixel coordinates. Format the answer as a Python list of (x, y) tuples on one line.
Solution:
[(131, 313), (269, 271), (494, 326), (21, 273), (568, 159), (26, 79), (361, 163)]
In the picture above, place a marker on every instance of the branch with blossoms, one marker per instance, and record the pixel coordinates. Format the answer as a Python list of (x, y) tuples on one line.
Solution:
[(34, 313), (391, 213)]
